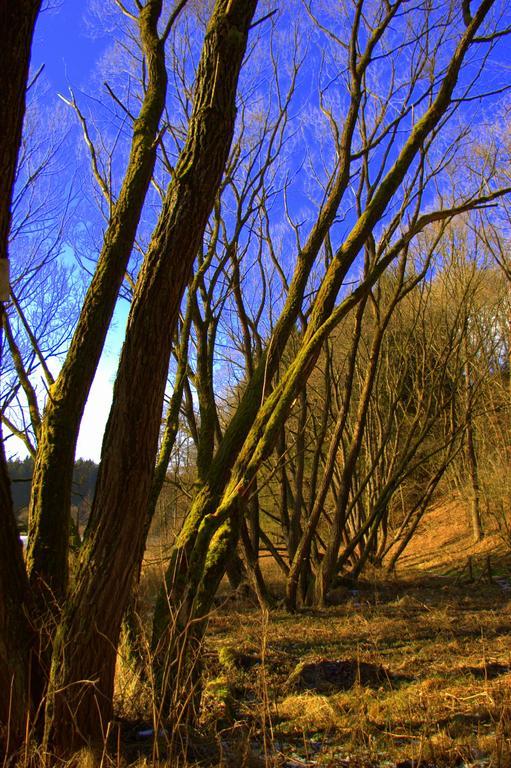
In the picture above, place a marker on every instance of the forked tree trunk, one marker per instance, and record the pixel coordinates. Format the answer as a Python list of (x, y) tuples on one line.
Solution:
[(53, 471), (205, 543), (80, 697), (303, 549), (328, 567)]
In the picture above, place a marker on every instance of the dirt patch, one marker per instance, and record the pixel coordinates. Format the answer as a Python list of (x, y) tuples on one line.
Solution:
[(326, 676)]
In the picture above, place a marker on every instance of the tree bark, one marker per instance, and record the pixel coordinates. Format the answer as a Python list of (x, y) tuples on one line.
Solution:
[(16, 637), (203, 546), (86, 643), (17, 22), (53, 471), (475, 492)]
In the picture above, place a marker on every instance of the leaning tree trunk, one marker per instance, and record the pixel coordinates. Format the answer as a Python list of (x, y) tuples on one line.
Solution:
[(210, 494), (17, 22), (53, 470), (86, 643), (205, 543)]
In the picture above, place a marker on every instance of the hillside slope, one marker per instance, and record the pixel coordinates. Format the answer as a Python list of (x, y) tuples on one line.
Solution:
[(443, 542)]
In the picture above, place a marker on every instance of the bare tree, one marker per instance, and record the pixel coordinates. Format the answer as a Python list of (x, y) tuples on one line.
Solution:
[(374, 183), (51, 486), (16, 31), (86, 643), (207, 539)]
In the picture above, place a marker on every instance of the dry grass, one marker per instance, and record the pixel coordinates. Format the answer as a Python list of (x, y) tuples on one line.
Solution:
[(447, 698), (442, 541), (444, 645)]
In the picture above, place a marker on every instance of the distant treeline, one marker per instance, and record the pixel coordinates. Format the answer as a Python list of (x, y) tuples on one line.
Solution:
[(84, 481)]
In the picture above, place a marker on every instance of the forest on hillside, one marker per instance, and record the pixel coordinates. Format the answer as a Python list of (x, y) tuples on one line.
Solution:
[(305, 211), (84, 480)]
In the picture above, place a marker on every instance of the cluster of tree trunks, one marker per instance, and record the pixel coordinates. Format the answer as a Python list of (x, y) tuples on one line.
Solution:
[(84, 645), (59, 637)]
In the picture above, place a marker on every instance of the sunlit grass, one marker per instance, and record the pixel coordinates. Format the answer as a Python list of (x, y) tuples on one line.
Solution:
[(447, 696)]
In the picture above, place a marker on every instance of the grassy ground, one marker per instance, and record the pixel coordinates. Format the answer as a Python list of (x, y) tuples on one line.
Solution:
[(439, 644), (444, 696)]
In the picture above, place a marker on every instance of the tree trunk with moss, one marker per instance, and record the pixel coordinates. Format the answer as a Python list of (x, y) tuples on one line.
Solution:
[(16, 638), (205, 543), (17, 22), (86, 642), (210, 494), (53, 471)]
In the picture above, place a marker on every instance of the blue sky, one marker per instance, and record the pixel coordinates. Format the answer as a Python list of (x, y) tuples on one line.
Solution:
[(65, 44)]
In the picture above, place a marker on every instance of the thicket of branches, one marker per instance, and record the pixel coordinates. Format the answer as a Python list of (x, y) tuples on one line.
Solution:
[(307, 210)]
